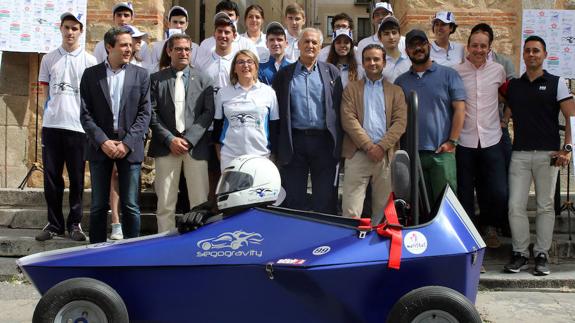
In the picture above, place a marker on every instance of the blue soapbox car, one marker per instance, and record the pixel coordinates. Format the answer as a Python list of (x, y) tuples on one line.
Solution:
[(270, 264)]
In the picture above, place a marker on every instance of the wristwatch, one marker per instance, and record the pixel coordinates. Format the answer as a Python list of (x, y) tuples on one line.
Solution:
[(568, 147), (454, 142)]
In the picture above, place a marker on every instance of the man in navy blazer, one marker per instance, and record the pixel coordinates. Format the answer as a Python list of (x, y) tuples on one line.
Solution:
[(310, 135), (115, 114)]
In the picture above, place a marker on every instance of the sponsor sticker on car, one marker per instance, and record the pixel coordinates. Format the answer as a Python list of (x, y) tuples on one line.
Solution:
[(231, 244), (415, 242)]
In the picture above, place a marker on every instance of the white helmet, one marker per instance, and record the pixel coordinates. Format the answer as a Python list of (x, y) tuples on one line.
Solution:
[(249, 180)]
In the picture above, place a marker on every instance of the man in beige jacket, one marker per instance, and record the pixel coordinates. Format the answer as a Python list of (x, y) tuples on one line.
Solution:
[(373, 117)]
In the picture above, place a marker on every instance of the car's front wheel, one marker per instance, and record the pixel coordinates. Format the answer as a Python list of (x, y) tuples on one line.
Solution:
[(433, 304), (81, 300)]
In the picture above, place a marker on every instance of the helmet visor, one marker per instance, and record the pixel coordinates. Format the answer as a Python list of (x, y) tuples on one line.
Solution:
[(234, 181)]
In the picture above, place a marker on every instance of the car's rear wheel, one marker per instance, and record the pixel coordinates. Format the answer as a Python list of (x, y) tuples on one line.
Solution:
[(81, 300), (433, 304)]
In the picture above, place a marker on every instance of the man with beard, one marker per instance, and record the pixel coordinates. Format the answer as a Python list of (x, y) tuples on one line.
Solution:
[(441, 113)]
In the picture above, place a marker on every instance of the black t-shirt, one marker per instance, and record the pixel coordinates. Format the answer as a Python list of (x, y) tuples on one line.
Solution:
[(535, 111)]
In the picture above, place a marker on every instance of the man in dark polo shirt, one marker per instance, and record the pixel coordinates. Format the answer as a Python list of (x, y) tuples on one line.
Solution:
[(535, 100)]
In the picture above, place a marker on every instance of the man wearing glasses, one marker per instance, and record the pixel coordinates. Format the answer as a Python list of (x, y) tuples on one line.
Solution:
[(182, 102), (441, 97)]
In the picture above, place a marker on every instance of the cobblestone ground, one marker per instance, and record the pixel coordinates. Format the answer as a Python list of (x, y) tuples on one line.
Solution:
[(18, 299)]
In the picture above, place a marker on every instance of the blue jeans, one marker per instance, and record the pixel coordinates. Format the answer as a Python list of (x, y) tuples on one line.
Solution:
[(129, 184)]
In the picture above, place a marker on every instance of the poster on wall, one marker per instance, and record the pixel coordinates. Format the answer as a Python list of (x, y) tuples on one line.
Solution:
[(557, 28), (34, 25)]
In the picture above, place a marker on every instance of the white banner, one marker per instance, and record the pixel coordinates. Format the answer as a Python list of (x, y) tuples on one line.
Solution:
[(34, 25), (557, 28)]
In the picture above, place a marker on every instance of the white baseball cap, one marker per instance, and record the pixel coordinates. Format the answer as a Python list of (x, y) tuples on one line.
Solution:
[(78, 17), (382, 5), (135, 32), (342, 32), (123, 5), (446, 16)]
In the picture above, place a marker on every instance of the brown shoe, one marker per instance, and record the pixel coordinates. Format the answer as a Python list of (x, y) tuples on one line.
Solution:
[(491, 238)]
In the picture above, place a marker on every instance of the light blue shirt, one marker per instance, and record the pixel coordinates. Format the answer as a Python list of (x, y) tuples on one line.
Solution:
[(116, 86), (307, 98), (374, 121)]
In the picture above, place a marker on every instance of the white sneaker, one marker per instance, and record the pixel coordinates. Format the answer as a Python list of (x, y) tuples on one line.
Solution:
[(116, 232)]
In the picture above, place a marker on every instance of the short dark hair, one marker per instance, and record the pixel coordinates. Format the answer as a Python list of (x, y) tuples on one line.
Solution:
[(276, 31), (178, 12), (482, 27), (70, 18), (113, 33), (372, 46), (342, 16), (224, 22), (228, 5), (175, 37), (388, 25), (536, 38)]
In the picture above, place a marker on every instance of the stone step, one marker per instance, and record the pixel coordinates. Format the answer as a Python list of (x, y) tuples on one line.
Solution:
[(34, 197)]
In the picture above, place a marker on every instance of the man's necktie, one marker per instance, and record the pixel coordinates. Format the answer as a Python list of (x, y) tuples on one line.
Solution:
[(179, 102)]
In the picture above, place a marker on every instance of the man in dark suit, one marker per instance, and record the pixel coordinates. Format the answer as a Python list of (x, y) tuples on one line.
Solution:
[(182, 110), (115, 116), (309, 95)]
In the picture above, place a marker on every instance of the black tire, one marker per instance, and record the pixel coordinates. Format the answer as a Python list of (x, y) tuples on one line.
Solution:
[(85, 290), (432, 302)]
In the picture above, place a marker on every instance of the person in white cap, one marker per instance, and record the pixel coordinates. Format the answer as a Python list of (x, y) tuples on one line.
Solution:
[(443, 51), (63, 137), (276, 41), (137, 39), (254, 20), (123, 13), (230, 9), (339, 21), (177, 22), (342, 55), (380, 11), (397, 62)]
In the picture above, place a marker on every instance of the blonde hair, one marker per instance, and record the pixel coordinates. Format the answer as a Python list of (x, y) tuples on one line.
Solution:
[(233, 76)]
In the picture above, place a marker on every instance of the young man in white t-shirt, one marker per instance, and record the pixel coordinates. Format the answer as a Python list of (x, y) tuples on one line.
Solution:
[(232, 10), (177, 21), (63, 137), (123, 13)]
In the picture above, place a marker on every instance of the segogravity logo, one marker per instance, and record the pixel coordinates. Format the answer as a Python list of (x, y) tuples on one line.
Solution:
[(231, 244)]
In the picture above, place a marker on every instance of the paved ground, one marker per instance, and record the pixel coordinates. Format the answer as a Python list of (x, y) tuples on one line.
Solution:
[(17, 302)]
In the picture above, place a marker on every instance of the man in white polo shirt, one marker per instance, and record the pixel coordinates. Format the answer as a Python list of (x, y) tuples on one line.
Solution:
[(231, 9), (217, 62), (63, 137), (380, 11)]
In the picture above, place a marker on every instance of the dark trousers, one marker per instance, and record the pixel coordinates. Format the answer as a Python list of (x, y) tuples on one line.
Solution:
[(313, 153), (129, 185), (63, 147), (483, 169)]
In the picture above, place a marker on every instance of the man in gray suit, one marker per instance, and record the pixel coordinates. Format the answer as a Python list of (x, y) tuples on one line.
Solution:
[(115, 114), (182, 110)]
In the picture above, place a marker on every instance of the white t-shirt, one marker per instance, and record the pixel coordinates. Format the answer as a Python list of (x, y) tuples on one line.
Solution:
[(246, 116), (63, 73), (101, 55), (292, 50), (324, 53), (453, 56), (153, 53), (394, 68), (373, 39), (261, 47), (216, 66), (209, 45)]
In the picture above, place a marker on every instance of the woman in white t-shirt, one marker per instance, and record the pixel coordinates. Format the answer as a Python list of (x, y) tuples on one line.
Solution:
[(246, 117), (254, 20), (342, 54)]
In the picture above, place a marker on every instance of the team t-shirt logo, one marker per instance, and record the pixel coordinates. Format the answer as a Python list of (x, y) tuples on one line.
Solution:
[(244, 120), (65, 88)]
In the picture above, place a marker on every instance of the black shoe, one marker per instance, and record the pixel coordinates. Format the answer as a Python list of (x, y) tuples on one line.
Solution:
[(77, 234), (518, 262), (541, 265), (46, 235)]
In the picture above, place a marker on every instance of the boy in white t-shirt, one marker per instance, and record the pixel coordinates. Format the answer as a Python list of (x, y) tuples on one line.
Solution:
[(63, 137)]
